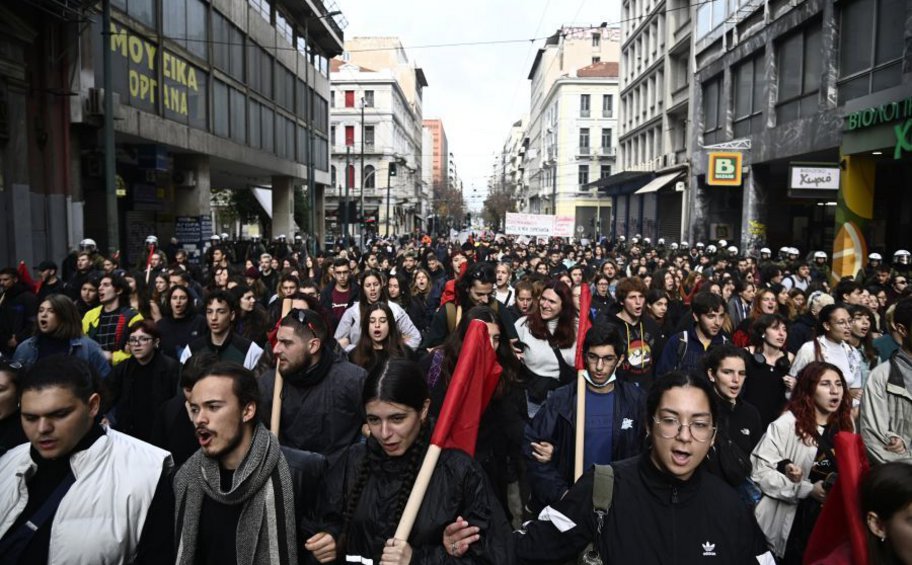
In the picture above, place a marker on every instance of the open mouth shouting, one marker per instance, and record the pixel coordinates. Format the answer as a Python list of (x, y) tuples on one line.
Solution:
[(204, 437)]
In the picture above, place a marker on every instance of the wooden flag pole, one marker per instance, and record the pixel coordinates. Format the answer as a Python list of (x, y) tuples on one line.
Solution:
[(279, 383), (410, 513), (580, 424)]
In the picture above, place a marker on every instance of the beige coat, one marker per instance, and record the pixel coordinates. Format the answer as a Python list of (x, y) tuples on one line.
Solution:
[(886, 412), (776, 510)]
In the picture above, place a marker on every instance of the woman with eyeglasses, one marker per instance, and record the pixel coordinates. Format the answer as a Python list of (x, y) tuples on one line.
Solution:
[(142, 383), (368, 487), (372, 291), (665, 507), (768, 367), (60, 331), (11, 433), (830, 344), (794, 465), (180, 323)]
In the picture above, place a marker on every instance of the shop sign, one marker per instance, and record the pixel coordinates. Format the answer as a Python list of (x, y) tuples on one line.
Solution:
[(724, 169), (888, 113), (806, 177), (144, 58)]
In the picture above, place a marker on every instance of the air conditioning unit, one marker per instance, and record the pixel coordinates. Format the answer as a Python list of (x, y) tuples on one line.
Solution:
[(95, 102), (184, 179)]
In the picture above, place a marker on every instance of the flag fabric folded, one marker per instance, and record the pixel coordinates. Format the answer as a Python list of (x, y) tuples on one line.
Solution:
[(26, 277), (474, 381), (840, 518), (584, 324)]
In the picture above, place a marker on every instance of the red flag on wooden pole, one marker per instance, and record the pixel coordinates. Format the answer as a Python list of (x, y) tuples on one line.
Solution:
[(584, 324), (474, 380), (840, 519)]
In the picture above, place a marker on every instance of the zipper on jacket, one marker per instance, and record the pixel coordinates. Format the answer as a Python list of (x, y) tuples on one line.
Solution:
[(674, 495)]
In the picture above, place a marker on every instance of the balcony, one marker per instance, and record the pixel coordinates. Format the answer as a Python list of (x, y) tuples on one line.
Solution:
[(584, 151), (607, 151), (584, 113)]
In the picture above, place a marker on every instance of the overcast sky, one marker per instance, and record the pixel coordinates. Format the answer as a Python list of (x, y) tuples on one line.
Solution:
[(477, 90)]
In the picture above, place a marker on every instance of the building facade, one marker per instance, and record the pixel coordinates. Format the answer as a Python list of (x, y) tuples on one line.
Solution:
[(377, 103), (816, 98), (222, 94), (572, 128), (653, 143)]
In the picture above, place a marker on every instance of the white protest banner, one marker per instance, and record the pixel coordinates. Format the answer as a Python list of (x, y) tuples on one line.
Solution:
[(529, 224), (563, 226)]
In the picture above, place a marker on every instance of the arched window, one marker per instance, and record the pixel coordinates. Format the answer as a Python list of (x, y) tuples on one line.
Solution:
[(369, 177)]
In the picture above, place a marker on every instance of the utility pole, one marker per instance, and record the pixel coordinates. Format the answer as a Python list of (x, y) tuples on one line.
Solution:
[(347, 187), (110, 167), (390, 173)]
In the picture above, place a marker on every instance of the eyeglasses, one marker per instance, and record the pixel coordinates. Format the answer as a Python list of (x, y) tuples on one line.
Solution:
[(670, 427), (139, 339), (597, 360)]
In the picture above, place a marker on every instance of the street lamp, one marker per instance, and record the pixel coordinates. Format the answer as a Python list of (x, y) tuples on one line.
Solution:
[(308, 116)]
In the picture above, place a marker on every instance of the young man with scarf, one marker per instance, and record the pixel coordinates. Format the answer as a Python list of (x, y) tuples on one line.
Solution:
[(614, 428), (240, 499), (321, 398)]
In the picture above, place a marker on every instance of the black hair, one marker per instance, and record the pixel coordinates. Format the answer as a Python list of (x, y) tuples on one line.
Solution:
[(10, 272), (826, 313), (902, 314), (340, 262), (705, 302), (845, 287), (714, 357), (166, 305), (481, 272), (885, 490), (763, 323), (656, 294), (222, 296), (195, 366), (244, 383), (600, 335), (306, 321), (675, 379), (120, 283), (65, 371), (401, 382), (13, 369)]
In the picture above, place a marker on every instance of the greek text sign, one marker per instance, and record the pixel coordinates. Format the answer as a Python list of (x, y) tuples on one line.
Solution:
[(539, 225), (806, 177)]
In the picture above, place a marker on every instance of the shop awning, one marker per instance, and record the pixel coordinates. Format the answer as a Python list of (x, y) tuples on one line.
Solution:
[(620, 184), (658, 183)]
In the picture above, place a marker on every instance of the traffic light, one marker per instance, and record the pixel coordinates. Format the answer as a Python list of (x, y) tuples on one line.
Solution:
[(392, 170), (353, 212)]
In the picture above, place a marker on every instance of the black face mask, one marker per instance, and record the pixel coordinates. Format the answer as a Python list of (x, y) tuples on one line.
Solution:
[(781, 364)]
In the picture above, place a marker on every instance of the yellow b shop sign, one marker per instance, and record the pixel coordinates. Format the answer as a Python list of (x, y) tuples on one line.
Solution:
[(724, 169), (143, 59)]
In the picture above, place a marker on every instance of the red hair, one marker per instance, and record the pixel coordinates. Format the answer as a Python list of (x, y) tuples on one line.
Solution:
[(802, 402)]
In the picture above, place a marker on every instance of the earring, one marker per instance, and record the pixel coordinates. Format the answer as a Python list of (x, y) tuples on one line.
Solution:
[(883, 539)]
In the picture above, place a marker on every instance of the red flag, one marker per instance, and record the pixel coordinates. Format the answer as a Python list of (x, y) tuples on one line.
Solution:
[(840, 518), (584, 324), (474, 380), (26, 277)]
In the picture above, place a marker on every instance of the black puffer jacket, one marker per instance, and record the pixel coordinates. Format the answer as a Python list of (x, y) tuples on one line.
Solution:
[(321, 406), (458, 488)]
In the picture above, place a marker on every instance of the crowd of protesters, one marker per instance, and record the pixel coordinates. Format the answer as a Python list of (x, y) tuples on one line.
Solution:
[(715, 385)]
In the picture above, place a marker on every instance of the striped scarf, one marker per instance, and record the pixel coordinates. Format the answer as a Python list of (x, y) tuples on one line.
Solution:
[(262, 483)]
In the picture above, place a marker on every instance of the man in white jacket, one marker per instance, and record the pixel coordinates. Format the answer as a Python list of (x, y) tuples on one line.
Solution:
[(79, 492)]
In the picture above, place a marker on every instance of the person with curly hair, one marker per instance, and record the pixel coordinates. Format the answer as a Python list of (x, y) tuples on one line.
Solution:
[(367, 489), (794, 464)]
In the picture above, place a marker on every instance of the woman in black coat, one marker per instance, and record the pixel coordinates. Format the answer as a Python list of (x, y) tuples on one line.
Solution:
[(369, 486)]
